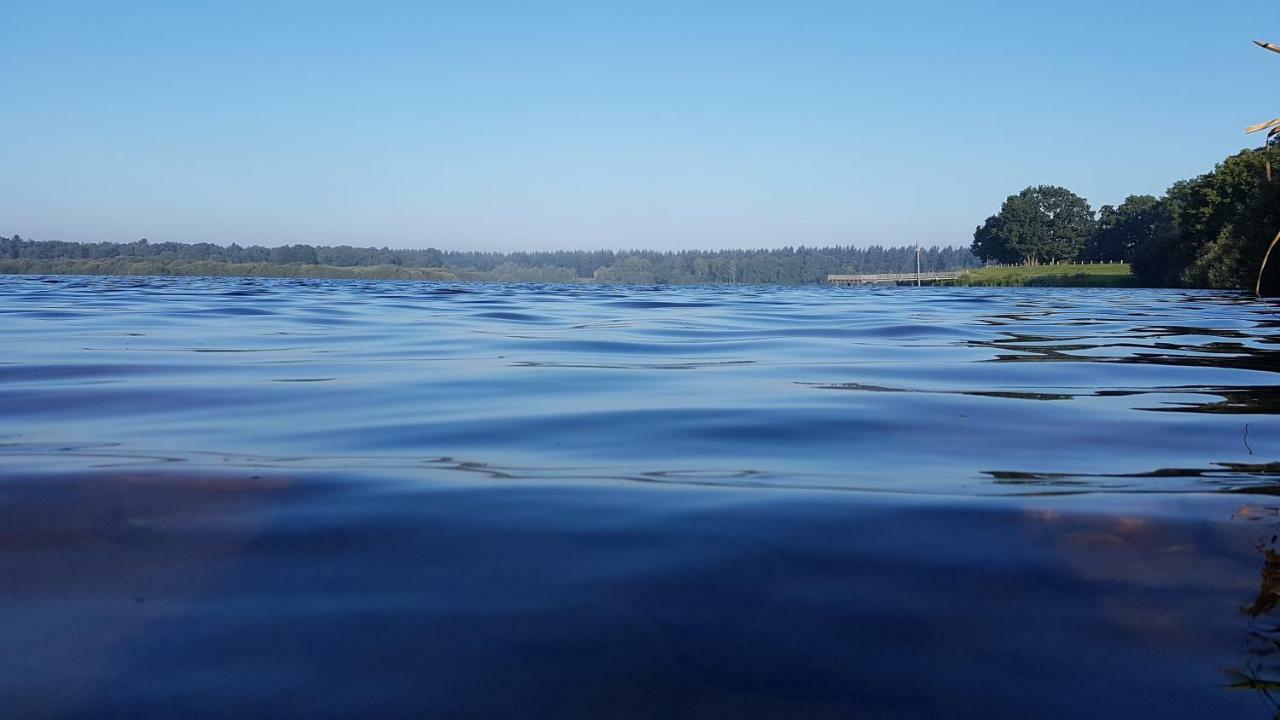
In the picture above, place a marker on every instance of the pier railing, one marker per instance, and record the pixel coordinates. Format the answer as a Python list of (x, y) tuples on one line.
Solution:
[(893, 278)]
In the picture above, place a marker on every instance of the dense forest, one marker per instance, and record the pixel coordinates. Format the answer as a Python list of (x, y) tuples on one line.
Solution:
[(798, 265), (1210, 231)]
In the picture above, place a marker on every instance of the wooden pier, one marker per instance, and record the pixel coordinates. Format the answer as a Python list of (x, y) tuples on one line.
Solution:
[(909, 278)]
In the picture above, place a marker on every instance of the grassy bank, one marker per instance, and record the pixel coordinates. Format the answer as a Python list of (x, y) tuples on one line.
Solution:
[(1105, 275), (116, 266)]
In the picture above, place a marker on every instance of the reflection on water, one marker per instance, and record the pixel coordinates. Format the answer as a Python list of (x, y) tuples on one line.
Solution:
[(1260, 671), (329, 498), (167, 594)]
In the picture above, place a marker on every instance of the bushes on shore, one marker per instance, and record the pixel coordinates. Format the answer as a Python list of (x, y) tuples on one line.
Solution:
[(1210, 231), (121, 266)]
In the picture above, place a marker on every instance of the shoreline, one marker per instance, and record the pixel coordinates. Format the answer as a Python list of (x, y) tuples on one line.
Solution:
[(1110, 275)]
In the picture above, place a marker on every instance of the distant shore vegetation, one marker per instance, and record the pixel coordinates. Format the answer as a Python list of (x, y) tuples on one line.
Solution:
[(1207, 232), (793, 266), (210, 268)]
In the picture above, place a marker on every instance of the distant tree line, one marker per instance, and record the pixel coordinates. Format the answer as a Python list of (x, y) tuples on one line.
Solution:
[(1210, 231), (790, 265)]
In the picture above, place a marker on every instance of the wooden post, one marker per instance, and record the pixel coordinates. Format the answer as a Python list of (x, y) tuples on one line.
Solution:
[(917, 263)]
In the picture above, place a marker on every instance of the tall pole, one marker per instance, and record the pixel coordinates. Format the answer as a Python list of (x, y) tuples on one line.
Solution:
[(917, 263)]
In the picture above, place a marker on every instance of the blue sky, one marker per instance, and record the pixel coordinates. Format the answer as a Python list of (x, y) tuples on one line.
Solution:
[(524, 125)]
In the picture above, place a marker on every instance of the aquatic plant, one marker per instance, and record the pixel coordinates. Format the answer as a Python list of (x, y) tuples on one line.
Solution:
[(1273, 136)]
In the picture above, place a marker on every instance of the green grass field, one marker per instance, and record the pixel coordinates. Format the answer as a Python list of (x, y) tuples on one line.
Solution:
[(1106, 275)]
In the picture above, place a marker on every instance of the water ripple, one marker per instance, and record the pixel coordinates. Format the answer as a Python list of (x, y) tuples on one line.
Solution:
[(939, 388)]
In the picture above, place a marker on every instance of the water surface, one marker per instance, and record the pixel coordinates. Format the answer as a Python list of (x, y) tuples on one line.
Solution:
[(333, 498)]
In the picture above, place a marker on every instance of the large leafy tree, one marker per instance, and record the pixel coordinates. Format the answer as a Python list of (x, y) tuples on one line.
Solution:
[(1229, 216), (1121, 229), (1217, 228), (1044, 223), (990, 243)]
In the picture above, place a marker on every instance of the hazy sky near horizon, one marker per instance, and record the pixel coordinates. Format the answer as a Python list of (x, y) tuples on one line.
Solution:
[(547, 125)]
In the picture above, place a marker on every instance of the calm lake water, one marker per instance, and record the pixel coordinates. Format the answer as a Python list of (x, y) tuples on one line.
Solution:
[(331, 498)]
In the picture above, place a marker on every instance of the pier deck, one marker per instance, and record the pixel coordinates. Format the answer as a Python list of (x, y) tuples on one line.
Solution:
[(897, 278)]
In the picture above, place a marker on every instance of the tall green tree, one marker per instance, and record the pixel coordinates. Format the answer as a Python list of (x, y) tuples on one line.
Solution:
[(1218, 227), (1122, 228), (990, 243), (1044, 223)]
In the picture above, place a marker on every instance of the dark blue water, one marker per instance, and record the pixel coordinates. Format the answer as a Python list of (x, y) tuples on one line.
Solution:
[(330, 499)]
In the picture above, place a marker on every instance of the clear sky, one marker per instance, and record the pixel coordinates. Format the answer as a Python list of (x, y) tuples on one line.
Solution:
[(526, 125)]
